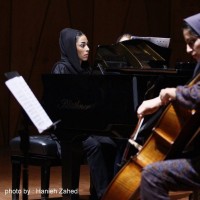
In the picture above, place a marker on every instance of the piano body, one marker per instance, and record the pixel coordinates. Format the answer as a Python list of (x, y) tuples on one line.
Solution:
[(145, 61), (131, 71), (90, 104), (106, 104)]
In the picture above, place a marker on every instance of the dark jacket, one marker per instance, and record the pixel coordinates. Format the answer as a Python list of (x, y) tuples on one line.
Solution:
[(189, 96)]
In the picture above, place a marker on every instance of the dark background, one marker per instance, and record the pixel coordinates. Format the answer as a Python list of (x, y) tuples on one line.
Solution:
[(29, 32)]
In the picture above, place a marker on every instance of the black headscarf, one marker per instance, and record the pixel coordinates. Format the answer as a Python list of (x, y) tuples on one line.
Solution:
[(69, 63), (194, 22)]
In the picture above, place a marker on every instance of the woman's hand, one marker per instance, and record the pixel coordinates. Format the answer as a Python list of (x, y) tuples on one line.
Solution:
[(149, 106), (167, 95)]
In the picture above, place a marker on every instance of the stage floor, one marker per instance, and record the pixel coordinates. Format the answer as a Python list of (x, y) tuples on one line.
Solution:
[(34, 180), (55, 181)]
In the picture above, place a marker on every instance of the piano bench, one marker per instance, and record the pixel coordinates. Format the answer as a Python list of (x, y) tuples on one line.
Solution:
[(43, 151)]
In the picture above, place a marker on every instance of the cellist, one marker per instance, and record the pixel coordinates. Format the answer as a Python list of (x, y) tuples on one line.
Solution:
[(183, 173)]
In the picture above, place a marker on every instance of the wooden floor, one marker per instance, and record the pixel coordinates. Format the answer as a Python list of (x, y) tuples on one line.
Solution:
[(34, 180), (55, 182)]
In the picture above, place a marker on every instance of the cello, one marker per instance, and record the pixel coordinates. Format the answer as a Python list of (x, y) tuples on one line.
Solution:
[(175, 128)]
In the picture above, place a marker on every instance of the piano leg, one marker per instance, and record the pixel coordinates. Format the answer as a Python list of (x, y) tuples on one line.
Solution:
[(71, 161)]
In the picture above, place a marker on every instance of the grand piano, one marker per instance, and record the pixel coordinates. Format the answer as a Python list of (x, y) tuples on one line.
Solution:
[(105, 103), (130, 72)]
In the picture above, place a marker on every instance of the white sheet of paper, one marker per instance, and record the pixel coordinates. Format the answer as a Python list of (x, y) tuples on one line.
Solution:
[(29, 103), (163, 42)]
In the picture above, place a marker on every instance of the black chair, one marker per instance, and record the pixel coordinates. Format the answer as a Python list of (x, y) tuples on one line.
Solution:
[(40, 150)]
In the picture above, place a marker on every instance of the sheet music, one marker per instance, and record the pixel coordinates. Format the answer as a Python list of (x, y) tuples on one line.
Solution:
[(29, 103), (163, 42)]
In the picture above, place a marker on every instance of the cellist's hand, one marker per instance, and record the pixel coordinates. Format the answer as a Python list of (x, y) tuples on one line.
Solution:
[(149, 106), (167, 95), (152, 105)]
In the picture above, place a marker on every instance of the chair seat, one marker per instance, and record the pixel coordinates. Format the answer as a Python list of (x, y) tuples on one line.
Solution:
[(43, 145), (43, 151)]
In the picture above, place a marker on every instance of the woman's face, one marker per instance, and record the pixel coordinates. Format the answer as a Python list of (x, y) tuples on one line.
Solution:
[(192, 44), (82, 48)]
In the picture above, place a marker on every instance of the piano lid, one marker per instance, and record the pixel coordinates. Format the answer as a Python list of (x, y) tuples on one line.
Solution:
[(136, 54)]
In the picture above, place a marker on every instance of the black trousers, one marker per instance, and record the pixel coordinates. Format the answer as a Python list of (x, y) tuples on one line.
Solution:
[(103, 154)]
